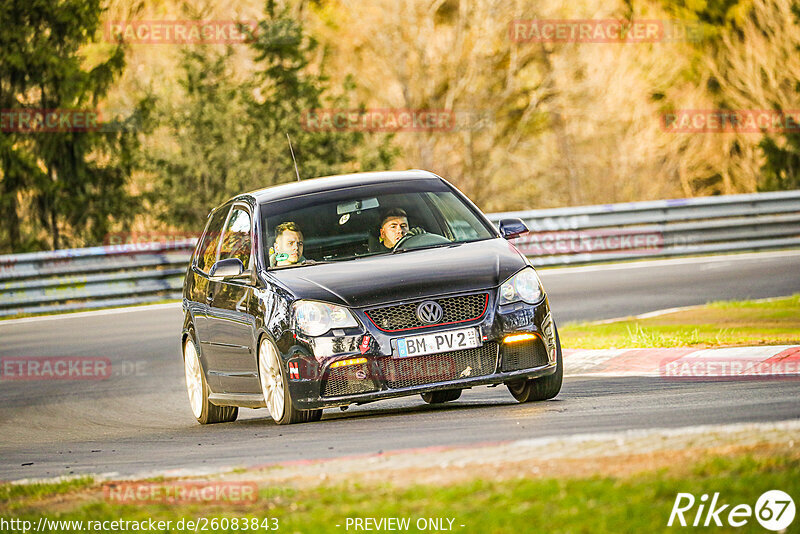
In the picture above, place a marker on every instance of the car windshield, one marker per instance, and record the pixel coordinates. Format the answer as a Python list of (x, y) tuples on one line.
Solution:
[(351, 223)]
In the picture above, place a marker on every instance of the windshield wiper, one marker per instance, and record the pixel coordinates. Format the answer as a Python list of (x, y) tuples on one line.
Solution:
[(437, 245), (305, 263), (357, 256)]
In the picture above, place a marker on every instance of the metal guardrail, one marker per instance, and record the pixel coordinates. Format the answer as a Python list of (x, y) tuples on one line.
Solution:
[(96, 277), (114, 275), (661, 228)]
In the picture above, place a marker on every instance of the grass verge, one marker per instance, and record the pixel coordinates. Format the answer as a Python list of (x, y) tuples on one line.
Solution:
[(718, 324), (638, 502)]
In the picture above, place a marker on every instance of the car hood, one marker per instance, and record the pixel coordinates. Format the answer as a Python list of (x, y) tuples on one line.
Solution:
[(409, 275)]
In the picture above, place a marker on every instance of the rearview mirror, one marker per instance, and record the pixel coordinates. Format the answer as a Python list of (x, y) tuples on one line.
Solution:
[(511, 228), (227, 268), (356, 205)]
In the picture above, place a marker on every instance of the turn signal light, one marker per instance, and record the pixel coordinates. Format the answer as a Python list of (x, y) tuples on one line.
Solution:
[(351, 361), (514, 338)]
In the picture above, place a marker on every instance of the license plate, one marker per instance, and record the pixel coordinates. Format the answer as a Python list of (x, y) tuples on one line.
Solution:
[(438, 342)]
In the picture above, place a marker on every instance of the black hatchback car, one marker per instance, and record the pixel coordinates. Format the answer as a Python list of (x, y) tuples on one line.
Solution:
[(299, 297)]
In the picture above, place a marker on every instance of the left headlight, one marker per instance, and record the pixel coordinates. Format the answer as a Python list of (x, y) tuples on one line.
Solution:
[(525, 286), (316, 318)]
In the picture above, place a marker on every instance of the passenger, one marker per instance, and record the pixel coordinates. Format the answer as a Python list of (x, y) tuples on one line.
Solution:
[(288, 247)]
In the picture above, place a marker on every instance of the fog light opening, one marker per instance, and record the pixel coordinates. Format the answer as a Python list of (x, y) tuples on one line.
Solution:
[(515, 338)]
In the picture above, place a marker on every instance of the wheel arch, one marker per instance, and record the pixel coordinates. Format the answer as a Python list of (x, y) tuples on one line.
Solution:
[(189, 330)]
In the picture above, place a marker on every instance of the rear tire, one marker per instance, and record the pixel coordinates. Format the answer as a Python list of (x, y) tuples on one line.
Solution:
[(438, 397), (543, 388), (276, 392), (197, 387)]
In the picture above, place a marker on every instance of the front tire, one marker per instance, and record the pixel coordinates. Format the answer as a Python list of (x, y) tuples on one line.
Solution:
[(275, 390), (543, 388), (438, 397), (197, 387)]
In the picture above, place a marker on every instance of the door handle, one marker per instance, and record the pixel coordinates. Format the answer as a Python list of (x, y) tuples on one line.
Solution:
[(209, 297), (241, 308)]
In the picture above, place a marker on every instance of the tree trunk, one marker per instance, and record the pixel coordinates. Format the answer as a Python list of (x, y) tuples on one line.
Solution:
[(53, 212), (9, 209)]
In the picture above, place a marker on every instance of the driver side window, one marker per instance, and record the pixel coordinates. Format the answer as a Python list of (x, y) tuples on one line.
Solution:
[(207, 251), (236, 239)]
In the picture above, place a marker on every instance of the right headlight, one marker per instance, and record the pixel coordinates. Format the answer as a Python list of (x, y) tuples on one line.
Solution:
[(524, 286), (316, 318)]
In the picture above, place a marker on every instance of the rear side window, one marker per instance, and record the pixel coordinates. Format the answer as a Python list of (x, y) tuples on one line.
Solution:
[(236, 240), (207, 252)]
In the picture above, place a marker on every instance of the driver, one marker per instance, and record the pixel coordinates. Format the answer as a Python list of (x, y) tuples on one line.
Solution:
[(394, 225), (288, 247)]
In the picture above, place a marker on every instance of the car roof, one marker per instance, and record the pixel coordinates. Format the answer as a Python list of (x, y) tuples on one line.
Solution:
[(328, 183)]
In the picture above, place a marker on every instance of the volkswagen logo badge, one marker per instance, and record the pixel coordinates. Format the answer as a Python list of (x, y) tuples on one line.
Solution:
[(429, 312)]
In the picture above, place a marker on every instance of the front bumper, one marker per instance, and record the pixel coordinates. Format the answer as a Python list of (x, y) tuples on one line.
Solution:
[(362, 365), (362, 398)]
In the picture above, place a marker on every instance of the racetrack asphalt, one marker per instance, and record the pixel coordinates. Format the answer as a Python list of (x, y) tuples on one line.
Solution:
[(138, 420)]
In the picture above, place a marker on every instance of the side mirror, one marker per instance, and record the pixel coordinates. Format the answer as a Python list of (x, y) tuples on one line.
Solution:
[(511, 228), (227, 268)]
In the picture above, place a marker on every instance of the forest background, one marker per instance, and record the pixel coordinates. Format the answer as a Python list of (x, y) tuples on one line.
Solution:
[(537, 123)]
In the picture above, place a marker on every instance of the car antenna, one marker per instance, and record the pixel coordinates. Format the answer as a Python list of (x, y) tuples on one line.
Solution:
[(295, 161)]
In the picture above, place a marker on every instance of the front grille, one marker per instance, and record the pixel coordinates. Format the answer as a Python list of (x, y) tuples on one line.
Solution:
[(524, 355), (419, 370), (343, 381), (404, 316)]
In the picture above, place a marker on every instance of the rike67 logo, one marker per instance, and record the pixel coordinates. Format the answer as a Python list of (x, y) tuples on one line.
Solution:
[(774, 510)]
